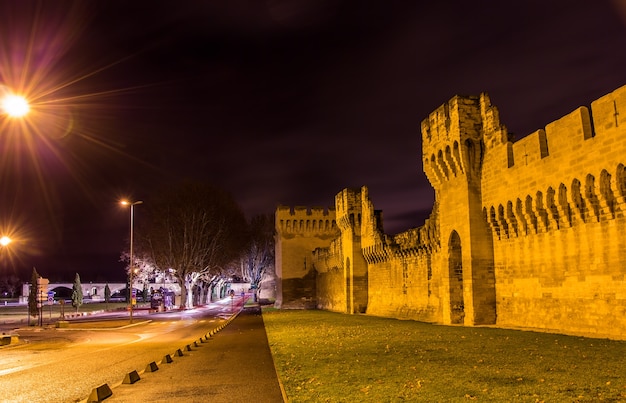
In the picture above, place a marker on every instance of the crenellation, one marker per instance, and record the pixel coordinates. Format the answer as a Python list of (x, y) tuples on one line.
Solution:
[(609, 113), (527, 233), (348, 208), (494, 132), (469, 120), (573, 132), (529, 150), (371, 222), (302, 220), (301, 211)]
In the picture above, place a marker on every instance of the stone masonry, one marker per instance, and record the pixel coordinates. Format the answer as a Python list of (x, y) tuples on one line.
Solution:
[(528, 234)]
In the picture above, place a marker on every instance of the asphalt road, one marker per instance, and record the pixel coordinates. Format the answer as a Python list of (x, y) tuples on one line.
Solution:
[(66, 365), (235, 366)]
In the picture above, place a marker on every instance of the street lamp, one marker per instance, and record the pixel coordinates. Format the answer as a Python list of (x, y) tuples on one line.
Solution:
[(5, 240), (131, 269), (15, 106)]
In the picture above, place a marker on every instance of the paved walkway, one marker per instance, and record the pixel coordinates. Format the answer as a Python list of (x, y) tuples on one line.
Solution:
[(234, 365)]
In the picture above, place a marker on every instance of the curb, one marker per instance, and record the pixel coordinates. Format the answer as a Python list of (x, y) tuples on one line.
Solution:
[(280, 381), (102, 392), (8, 339)]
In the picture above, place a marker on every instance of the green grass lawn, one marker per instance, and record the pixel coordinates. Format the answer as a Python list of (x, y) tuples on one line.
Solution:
[(329, 357)]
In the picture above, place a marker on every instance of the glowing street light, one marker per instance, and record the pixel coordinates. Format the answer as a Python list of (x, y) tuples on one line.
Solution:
[(15, 106), (5, 240), (131, 269)]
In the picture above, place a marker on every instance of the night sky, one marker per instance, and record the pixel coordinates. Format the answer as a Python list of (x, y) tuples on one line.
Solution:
[(279, 102)]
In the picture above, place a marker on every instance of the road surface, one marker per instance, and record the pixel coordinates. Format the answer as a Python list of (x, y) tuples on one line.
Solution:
[(65, 365)]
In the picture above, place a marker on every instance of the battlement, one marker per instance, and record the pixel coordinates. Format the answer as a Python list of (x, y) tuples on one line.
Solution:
[(301, 219), (372, 232), (348, 200), (522, 234), (583, 149), (556, 138), (455, 134), (349, 206), (460, 134), (459, 119), (424, 238), (574, 131)]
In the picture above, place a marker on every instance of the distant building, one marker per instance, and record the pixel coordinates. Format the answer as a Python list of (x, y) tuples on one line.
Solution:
[(527, 234)]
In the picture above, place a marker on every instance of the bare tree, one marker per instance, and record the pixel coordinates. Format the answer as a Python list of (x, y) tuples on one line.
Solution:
[(10, 284), (258, 256), (193, 229), (143, 265)]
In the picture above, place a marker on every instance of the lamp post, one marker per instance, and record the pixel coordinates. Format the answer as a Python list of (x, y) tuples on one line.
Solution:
[(5, 240), (15, 106), (130, 266)]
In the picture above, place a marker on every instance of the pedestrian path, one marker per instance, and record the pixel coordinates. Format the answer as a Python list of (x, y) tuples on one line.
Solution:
[(234, 365)]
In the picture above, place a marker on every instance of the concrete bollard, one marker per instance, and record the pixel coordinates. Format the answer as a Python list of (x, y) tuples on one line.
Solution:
[(152, 367), (167, 359), (131, 377), (7, 339), (179, 352), (100, 393)]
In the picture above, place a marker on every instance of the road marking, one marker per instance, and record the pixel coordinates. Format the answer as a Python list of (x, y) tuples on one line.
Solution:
[(15, 369)]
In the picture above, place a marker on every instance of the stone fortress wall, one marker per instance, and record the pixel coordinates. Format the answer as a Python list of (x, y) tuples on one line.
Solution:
[(298, 232), (527, 234)]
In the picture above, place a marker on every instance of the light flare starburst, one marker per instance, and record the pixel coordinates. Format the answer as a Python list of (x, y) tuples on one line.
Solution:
[(15, 106), (43, 89)]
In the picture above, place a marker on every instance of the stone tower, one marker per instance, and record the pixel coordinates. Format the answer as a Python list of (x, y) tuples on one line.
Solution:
[(455, 138), (349, 206), (299, 231)]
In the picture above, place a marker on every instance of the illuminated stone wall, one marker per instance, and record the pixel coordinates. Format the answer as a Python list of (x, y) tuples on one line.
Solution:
[(556, 212), (331, 275), (298, 232), (527, 234), (342, 273), (348, 205), (403, 282)]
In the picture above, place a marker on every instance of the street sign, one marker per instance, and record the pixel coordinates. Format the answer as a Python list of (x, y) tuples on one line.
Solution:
[(43, 281), (42, 295), (42, 289)]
